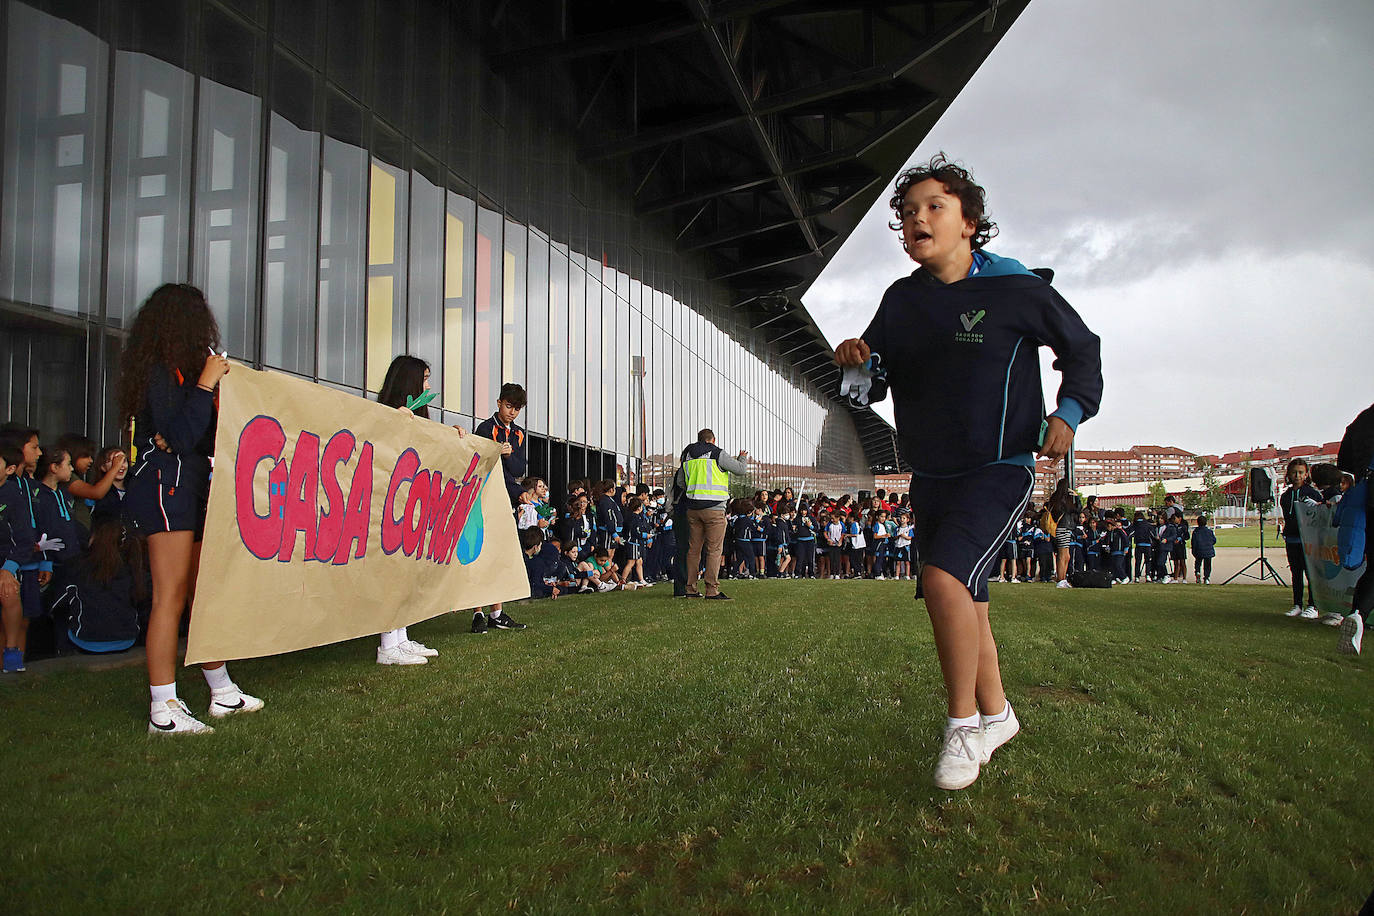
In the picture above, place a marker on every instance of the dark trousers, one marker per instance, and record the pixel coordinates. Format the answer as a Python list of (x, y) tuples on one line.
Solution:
[(680, 555), (1142, 561), (1297, 565), (1202, 568), (1119, 570), (806, 558)]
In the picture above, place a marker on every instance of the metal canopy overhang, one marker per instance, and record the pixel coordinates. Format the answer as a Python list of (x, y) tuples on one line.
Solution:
[(760, 131)]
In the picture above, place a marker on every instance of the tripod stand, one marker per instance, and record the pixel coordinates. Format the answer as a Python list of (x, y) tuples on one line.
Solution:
[(1266, 569)]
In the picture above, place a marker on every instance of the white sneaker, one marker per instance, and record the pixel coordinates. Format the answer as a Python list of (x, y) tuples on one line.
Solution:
[(1206, 581), (880, 578), (1063, 583), (1309, 614), (399, 656), (960, 757), (1294, 611), (1333, 620), (996, 734), (173, 718), (1167, 581), (230, 700), (1352, 633), (606, 587), (419, 648)]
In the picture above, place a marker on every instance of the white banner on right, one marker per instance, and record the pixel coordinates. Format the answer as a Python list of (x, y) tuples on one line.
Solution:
[(1333, 586)]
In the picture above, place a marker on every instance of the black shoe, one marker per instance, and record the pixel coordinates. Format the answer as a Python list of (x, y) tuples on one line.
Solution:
[(479, 622), (692, 595), (719, 596), (503, 621)]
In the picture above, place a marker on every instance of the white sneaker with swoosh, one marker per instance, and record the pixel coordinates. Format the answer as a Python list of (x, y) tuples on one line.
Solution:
[(231, 700), (996, 734), (173, 718)]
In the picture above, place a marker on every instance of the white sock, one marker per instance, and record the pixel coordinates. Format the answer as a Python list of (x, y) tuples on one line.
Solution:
[(217, 678), (401, 635), (1001, 716), (966, 722), (163, 692), (390, 640)]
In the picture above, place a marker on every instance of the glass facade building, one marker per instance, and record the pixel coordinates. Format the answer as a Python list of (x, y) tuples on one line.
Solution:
[(347, 181)]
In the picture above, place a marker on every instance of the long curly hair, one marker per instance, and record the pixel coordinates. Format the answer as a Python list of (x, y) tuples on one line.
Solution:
[(957, 181), (174, 330)]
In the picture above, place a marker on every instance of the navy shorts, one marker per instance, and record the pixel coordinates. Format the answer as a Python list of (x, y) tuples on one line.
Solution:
[(962, 522), (30, 595), (164, 497)]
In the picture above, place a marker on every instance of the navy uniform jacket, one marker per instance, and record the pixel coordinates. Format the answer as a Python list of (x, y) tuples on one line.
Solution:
[(515, 465), (18, 527), (961, 361)]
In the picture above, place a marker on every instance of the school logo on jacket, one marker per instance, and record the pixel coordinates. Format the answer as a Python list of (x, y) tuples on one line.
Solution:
[(970, 321)]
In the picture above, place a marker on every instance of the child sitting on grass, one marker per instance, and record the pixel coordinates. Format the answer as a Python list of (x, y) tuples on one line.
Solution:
[(958, 343)]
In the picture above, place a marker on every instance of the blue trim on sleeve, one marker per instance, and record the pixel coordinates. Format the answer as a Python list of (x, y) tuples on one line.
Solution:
[(1071, 412), (12, 568)]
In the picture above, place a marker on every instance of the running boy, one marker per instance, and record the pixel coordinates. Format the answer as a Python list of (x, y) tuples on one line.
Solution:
[(957, 343)]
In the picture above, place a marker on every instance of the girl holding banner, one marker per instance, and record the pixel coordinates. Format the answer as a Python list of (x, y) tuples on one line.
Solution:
[(169, 372)]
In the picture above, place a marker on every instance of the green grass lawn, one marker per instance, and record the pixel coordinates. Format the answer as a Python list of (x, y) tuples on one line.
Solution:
[(1184, 750)]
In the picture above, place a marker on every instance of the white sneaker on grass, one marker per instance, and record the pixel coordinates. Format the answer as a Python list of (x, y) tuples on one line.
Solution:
[(996, 734), (1333, 620), (960, 756), (397, 655), (230, 700), (1352, 634), (1309, 614), (1063, 583), (419, 648), (173, 718), (1293, 611)]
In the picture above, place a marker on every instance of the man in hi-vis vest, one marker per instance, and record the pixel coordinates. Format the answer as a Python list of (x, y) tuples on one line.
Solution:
[(704, 480)]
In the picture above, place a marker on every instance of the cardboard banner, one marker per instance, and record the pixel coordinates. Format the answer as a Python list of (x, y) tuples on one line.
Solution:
[(1333, 586), (332, 517)]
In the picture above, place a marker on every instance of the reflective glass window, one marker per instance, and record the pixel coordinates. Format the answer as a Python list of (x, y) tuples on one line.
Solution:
[(150, 181), (343, 218), (577, 359), (488, 289), (537, 324), (226, 230), (51, 226), (559, 337), (592, 323), (514, 280), (387, 222), (460, 253), (426, 276)]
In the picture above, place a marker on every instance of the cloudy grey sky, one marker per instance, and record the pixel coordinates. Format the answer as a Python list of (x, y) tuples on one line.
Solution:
[(1200, 175)]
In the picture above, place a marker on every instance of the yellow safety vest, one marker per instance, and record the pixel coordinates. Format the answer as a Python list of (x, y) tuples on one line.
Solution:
[(706, 480)]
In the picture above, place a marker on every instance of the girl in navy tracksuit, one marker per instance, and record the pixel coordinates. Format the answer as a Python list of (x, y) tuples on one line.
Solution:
[(957, 342), (56, 520), (1299, 489), (168, 374), (101, 595), (1204, 551), (22, 563)]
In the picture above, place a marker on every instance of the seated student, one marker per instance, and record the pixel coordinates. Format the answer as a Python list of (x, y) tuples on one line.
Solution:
[(526, 515), (1204, 544), (18, 550), (567, 577), (600, 571), (113, 462), (105, 593), (537, 570), (56, 520)]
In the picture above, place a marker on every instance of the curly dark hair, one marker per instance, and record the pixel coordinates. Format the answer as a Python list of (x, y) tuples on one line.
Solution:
[(957, 181), (174, 329)]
